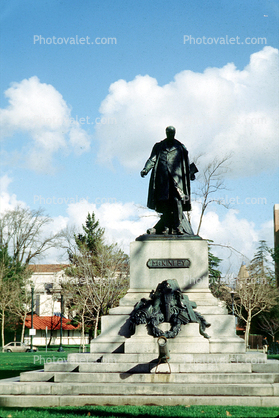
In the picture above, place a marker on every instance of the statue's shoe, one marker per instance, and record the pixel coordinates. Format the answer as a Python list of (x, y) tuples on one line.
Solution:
[(151, 231), (177, 231)]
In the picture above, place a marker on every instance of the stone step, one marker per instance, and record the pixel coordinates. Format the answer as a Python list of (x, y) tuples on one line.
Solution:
[(272, 366), (143, 389), (163, 377), (208, 358), (149, 367), (28, 401)]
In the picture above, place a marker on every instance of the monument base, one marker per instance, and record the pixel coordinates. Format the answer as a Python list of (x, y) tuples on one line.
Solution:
[(124, 369), (155, 259)]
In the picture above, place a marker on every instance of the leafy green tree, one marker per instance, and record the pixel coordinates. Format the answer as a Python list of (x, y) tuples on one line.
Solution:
[(261, 268), (13, 276), (274, 252), (214, 273), (92, 238), (98, 274)]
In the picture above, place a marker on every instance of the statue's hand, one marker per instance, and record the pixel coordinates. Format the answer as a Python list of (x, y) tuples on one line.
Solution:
[(143, 172)]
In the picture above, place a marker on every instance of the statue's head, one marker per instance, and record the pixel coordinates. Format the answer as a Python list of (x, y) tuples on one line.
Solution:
[(170, 131)]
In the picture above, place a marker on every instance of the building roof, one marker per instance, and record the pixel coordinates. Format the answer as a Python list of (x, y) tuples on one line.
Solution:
[(47, 268), (238, 328), (51, 322)]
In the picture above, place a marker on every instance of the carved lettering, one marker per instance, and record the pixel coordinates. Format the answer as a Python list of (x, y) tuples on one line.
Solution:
[(168, 263)]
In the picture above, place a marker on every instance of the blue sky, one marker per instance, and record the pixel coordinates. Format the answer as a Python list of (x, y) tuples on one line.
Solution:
[(167, 63)]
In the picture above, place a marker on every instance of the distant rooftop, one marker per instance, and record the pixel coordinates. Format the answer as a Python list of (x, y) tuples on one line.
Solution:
[(51, 322), (47, 268)]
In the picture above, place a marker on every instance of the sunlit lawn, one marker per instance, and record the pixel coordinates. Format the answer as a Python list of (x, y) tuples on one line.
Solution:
[(140, 412), (12, 364)]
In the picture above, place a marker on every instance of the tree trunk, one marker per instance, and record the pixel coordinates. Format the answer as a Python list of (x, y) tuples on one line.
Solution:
[(3, 327), (50, 338), (200, 223), (23, 327), (82, 332), (247, 331), (96, 324)]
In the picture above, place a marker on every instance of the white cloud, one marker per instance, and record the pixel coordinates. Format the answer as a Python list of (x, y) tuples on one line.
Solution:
[(235, 239), (8, 201), (220, 111), (39, 110), (123, 222)]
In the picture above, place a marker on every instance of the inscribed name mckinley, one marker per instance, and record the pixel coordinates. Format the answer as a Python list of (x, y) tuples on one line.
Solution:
[(168, 263)]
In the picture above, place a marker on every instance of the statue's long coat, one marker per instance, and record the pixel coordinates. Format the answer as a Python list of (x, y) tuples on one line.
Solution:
[(168, 165)]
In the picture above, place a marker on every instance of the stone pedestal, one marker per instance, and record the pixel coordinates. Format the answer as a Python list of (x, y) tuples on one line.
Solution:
[(154, 259), (124, 370)]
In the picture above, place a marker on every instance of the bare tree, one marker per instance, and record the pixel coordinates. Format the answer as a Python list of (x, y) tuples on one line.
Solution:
[(24, 235), (269, 325), (76, 298), (251, 297), (23, 231), (254, 298), (100, 290), (211, 180), (9, 292), (99, 273), (22, 303)]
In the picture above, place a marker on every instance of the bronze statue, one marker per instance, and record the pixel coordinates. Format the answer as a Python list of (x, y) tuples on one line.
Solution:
[(167, 304), (169, 187)]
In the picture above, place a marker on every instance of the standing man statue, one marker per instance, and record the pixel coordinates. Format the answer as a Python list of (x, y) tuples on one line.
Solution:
[(169, 187)]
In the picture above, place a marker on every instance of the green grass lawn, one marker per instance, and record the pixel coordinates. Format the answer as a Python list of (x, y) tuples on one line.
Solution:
[(12, 364), (141, 412)]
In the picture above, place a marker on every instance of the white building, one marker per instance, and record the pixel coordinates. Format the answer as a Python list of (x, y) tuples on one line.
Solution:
[(46, 280)]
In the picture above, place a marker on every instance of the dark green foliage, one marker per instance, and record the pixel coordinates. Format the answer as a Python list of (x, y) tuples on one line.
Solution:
[(275, 256), (89, 246), (92, 237), (260, 267), (13, 276), (214, 273), (11, 269)]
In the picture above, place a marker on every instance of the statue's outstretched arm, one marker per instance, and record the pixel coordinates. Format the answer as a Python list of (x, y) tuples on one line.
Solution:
[(150, 163)]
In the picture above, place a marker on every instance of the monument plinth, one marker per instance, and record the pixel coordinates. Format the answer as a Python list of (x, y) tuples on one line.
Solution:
[(154, 259)]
